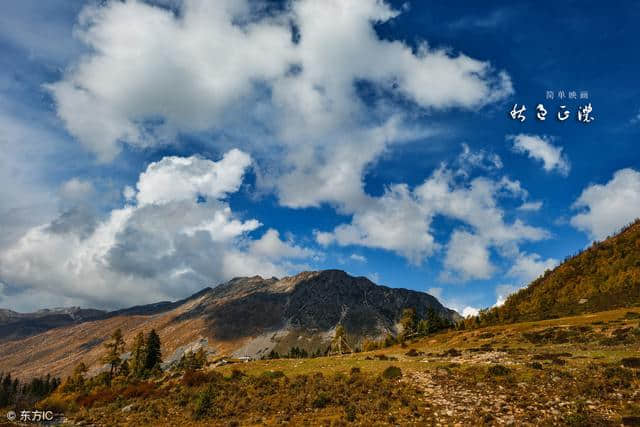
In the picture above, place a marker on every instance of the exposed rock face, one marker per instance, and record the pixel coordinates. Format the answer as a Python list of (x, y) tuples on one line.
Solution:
[(246, 316)]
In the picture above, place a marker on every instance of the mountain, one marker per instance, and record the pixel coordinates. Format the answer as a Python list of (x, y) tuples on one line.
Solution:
[(603, 277), (247, 316), (15, 325)]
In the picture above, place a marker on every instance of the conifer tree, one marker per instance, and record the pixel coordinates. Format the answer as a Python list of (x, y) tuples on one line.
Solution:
[(153, 353)]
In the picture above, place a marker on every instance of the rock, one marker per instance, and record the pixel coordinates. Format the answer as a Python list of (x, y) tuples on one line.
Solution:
[(127, 408)]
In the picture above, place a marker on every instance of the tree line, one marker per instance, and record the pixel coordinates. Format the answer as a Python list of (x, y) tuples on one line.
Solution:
[(144, 361), (13, 392)]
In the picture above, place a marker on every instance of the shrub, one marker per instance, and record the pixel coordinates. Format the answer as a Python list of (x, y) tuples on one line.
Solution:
[(273, 374), (236, 374), (412, 353), (631, 362), (195, 378), (392, 373), (618, 376), (143, 389), (204, 403), (452, 352), (321, 400), (350, 413), (498, 370), (105, 395)]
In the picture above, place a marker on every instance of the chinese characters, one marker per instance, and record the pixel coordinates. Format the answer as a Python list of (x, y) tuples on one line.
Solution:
[(562, 113)]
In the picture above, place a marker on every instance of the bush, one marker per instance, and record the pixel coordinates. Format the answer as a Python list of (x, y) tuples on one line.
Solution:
[(412, 353), (498, 370), (236, 374), (392, 373), (321, 400), (204, 403), (273, 374), (350, 413), (195, 378), (631, 362), (143, 390)]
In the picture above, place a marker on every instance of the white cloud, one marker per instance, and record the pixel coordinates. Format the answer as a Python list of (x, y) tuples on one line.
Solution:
[(76, 189), (292, 103), (395, 221), (468, 255), (607, 208), (470, 311), (166, 245), (528, 267), (270, 246), (541, 148), (179, 178), (358, 258), (400, 221), (479, 159), (530, 206)]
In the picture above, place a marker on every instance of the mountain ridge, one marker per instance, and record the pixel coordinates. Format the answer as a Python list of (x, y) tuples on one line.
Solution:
[(246, 316)]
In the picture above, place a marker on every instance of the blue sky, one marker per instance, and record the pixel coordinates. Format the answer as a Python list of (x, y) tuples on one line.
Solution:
[(151, 149)]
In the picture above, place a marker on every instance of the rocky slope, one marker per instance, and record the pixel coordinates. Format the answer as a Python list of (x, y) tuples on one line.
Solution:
[(247, 316)]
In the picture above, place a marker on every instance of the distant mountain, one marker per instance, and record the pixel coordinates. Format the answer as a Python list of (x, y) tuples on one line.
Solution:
[(247, 316), (15, 325), (602, 277)]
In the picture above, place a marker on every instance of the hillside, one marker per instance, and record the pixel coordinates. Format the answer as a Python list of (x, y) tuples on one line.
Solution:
[(602, 277), (574, 371), (248, 316)]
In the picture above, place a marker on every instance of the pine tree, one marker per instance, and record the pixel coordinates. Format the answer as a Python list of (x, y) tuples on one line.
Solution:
[(153, 353)]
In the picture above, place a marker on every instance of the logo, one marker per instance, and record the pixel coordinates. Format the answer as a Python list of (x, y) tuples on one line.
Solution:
[(11, 416)]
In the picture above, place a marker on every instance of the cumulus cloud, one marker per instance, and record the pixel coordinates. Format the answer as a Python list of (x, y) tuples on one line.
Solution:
[(469, 311), (604, 209), (76, 189), (480, 159), (166, 244), (396, 221), (530, 206), (528, 267), (358, 258), (400, 221), (540, 148), (287, 79), (185, 178), (468, 255)]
